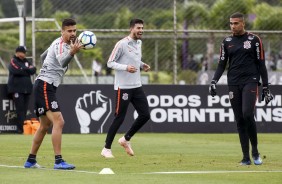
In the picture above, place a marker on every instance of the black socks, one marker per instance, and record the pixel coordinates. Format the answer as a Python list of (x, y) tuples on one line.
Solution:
[(31, 158), (58, 159)]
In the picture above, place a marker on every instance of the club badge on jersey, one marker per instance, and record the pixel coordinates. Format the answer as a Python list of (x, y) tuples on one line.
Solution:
[(247, 44)]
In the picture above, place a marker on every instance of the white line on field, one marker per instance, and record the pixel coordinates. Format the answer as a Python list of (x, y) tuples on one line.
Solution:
[(213, 172), (169, 172), (77, 171)]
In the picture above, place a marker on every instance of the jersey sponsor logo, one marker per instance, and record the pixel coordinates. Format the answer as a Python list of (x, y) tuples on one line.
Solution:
[(247, 44), (229, 46), (125, 96), (251, 37), (258, 50), (231, 95), (54, 105), (228, 39), (222, 52)]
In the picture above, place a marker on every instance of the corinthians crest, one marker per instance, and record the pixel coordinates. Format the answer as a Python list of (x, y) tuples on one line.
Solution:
[(125, 96), (247, 44)]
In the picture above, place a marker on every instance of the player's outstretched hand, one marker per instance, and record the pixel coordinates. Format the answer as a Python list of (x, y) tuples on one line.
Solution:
[(212, 88), (75, 45), (266, 95)]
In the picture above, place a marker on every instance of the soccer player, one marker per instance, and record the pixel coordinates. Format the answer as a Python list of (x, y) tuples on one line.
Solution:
[(246, 65), (125, 59), (55, 63)]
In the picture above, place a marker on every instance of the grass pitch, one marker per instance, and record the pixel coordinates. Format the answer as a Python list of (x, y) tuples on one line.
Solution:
[(159, 158)]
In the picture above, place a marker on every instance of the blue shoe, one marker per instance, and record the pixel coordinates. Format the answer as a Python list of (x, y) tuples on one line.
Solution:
[(64, 165), (245, 161), (257, 160), (31, 165)]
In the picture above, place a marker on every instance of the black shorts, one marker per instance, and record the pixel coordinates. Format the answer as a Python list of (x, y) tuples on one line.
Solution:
[(45, 98)]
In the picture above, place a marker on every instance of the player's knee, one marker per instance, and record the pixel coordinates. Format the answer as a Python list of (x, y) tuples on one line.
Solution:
[(240, 124), (146, 117), (248, 116), (43, 128), (239, 120), (59, 121)]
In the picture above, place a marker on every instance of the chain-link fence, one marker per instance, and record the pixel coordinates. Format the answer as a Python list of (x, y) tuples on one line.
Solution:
[(181, 38)]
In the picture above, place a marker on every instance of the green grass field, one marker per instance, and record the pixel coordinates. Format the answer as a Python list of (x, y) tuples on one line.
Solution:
[(213, 157)]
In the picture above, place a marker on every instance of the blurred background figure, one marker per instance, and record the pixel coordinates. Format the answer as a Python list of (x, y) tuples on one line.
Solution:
[(270, 63), (204, 62), (192, 64), (19, 84), (96, 70)]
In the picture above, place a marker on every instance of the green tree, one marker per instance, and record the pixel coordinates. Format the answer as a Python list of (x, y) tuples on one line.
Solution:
[(61, 15), (196, 14), (98, 21), (122, 18), (157, 19), (1, 12), (222, 9), (219, 19), (267, 17), (146, 15), (8, 42), (46, 9), (87, 56)]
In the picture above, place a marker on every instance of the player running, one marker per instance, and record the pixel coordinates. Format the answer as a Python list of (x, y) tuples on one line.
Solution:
[(126, 61)]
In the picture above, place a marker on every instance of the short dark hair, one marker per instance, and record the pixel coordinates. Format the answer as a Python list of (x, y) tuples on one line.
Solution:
[(135, 21), (68, 22), (237, 15), (21, 49)]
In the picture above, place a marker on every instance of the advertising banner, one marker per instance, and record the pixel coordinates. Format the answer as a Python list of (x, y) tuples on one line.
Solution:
[(173, 108)]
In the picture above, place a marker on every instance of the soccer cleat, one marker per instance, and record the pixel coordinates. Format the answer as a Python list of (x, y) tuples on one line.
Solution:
[(31, 165), (107, 153), (64, 166), (257, 160), (126, 144), (245, 161)]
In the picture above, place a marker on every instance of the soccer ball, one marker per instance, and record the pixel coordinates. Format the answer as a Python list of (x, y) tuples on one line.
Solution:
[(88, 39)]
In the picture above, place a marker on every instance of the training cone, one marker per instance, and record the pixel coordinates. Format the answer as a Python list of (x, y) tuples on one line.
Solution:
[(106, 171)]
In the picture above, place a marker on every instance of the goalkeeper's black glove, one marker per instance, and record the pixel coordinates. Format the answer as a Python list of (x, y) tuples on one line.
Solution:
[(212, 88), (266, 95)]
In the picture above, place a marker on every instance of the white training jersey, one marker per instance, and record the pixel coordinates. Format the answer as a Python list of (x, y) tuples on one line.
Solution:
[(52, 71), (126, 52)]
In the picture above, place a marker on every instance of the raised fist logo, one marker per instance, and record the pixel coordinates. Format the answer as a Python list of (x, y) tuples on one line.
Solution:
[(94, 107)]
